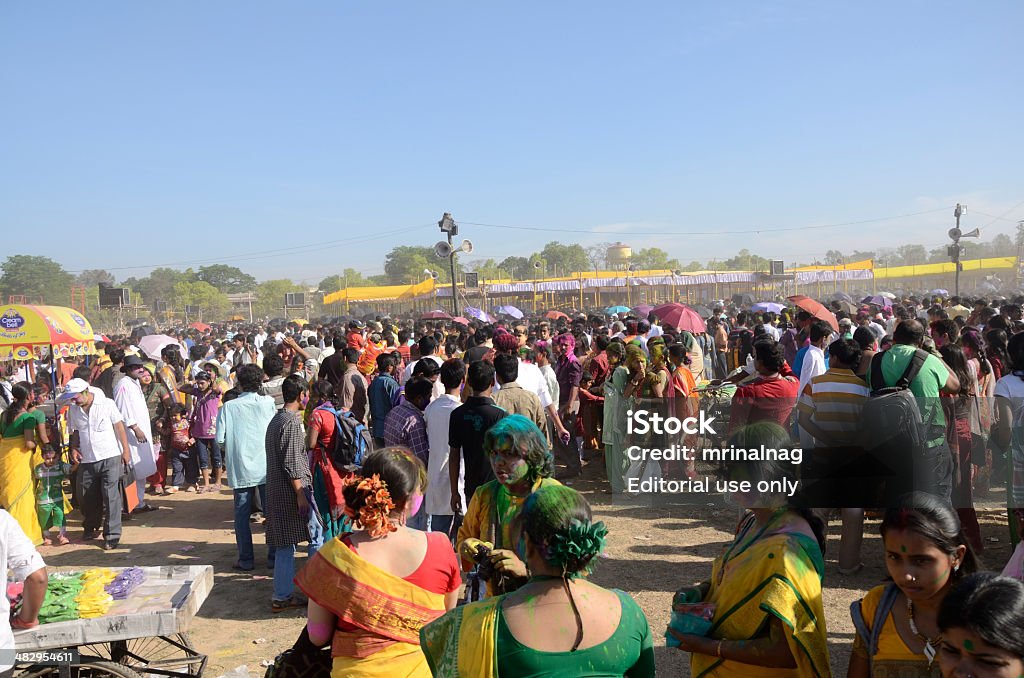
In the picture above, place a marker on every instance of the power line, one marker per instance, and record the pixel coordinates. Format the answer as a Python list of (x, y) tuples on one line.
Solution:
[(716, 232), (266, 254), (995, 219)]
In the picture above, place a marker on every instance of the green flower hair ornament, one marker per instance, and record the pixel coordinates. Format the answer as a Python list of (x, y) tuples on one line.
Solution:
[(579, 544)]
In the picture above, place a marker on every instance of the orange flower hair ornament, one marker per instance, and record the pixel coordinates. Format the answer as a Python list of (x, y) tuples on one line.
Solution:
[(373, 515)]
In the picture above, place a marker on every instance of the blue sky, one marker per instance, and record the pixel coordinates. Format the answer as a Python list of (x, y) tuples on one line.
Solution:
[(149, 133)]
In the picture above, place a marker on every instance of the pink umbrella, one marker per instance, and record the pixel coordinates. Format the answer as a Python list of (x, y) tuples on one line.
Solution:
[(435, 315), (459, 319), (681, 317)]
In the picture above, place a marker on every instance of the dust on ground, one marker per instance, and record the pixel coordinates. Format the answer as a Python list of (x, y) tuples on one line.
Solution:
[(652, 551)]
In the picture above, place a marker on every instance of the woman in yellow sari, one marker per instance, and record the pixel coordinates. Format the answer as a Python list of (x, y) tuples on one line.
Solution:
[(17, 451), (371, 591), (769, 619)]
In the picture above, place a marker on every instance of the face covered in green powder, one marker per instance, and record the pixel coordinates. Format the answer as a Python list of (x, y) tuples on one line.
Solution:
[(508, 463)]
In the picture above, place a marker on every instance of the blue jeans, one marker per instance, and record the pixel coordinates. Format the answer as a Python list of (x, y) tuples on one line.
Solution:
[(208, 450), (284, 571), (177, 478), (244, 498)]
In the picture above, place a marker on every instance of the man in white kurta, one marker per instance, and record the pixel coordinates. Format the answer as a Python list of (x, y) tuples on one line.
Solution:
[(132, 404)]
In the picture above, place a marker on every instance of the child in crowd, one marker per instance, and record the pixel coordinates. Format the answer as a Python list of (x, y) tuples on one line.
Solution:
[(182, 442), (50, 477)]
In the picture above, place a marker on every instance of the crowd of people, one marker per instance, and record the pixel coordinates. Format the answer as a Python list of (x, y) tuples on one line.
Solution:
[(418, 458)]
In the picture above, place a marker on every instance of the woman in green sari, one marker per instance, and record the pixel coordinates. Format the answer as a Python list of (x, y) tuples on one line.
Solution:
[(613, 431), (586, 631)]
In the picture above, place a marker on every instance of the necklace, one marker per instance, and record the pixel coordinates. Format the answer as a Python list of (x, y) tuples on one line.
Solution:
[(929, 647)]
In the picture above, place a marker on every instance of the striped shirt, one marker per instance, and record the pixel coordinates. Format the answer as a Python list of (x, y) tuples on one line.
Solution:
[(834, 401)]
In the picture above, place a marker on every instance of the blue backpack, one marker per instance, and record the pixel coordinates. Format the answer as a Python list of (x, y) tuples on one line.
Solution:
[(352, 441)]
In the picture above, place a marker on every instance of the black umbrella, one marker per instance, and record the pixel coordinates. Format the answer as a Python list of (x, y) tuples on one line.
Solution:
[(142, 331)]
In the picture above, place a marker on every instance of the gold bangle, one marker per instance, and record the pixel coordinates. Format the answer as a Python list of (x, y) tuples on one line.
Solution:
[(718, 650)]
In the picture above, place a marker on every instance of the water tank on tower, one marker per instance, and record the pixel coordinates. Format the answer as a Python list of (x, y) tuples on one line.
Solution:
[(619, 255)]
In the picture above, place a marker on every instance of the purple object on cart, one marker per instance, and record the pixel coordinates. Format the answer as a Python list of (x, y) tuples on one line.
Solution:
[(126, 582)]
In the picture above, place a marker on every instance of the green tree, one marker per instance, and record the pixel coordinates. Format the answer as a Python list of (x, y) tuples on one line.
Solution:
[(693, 266), (405, 264), (745, 261), (226, 278), (270, 297), (654, 258), (564, 260), (597, 256), (159, 284), (212, 301), (350, 277), (834, 258), (94, 277), (488, 270), (912, 255), (518, 268), (39, 279)]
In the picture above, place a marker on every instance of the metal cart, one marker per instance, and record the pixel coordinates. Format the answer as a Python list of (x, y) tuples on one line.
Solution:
[(146, 634)]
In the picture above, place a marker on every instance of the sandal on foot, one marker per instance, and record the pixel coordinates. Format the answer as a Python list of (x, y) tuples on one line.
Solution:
[(63, 541), (47, 541)]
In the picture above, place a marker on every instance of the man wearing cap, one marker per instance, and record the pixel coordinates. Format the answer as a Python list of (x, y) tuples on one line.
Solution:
[(131, 403), (102, 450)]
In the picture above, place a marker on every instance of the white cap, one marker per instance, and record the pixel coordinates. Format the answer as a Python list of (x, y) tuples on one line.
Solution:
[(73, 388)]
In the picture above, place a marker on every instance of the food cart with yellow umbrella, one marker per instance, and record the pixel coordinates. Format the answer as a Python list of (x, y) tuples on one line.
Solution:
[(30, 332)]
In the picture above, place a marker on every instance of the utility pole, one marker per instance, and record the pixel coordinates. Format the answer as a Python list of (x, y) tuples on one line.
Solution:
[(442, 250), (955, 249), (1020, 251)]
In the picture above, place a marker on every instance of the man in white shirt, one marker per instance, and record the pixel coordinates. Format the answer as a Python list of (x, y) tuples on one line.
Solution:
[(437, 416), (814, 365), (18, 556), (428, 347), (132, 406), (532, 379), (102, 450)]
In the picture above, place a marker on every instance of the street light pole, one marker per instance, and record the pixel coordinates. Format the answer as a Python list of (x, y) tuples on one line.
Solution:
[(450, 228)]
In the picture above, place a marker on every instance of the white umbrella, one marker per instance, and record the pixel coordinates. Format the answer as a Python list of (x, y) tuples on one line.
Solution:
[(887, 295), (153, 345)]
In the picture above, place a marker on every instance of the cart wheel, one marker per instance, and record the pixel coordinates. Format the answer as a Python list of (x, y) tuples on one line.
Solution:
[(158, 655), (104, 669), (88, 669)]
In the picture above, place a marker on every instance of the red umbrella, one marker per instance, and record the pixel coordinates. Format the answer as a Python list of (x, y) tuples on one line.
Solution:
[(202, 327), (459, 319), (435, 315), (681, 317), (816, 309), (555, 315)]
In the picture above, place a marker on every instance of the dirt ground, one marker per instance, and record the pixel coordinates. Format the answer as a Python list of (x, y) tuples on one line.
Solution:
[(652, 551)]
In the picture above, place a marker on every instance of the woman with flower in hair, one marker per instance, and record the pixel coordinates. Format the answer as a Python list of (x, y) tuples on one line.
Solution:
[(522, 463), (370, 591), (586, 630)]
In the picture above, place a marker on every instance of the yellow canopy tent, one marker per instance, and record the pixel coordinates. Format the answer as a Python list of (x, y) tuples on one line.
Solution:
[(26, 330)]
